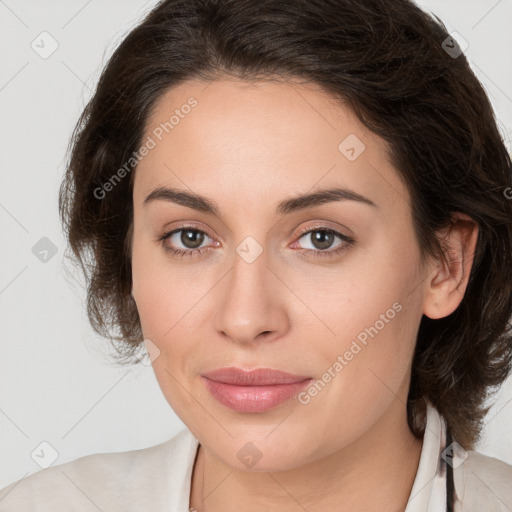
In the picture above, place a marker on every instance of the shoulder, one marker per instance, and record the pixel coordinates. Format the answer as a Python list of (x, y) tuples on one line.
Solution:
[(484, 481), (104, 481)]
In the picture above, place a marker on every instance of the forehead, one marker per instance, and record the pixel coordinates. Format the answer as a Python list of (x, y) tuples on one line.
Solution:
[(254, 141)]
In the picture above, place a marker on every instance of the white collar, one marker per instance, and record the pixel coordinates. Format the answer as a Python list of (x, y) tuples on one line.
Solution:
[(428, 493)]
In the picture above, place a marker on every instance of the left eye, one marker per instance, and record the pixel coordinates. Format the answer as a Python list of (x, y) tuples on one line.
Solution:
[(322, 237)]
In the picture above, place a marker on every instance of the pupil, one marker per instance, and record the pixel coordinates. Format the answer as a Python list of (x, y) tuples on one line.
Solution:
[(190, 235), (323, 237)]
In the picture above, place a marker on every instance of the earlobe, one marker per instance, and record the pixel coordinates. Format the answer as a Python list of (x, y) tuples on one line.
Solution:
[(447, 281)]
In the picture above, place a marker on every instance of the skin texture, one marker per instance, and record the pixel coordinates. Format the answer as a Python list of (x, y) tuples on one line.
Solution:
[(246, 147)]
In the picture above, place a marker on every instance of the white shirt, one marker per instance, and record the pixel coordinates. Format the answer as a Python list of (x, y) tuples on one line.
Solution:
[(158, 479)]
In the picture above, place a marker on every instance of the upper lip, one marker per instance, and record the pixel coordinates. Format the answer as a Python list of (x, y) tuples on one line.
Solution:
[(255, 377)]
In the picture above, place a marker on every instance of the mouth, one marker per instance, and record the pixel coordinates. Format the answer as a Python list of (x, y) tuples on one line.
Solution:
[(253, 391)]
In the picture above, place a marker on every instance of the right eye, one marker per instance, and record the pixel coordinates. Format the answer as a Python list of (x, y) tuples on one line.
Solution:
[(189, 236)]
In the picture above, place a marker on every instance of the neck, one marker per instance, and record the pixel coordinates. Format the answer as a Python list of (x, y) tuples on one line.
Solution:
[(374, 473)]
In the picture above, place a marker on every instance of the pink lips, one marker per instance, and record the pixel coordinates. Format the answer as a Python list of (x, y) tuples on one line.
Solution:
[(253, 390)]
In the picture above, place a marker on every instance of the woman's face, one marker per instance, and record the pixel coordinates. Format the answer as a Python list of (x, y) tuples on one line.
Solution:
[(261, 283)]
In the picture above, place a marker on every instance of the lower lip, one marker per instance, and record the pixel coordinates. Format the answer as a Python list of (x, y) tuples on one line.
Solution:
[(253, 398)]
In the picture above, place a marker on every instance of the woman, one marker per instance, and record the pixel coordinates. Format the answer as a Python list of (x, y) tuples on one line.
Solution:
[(301, 209)]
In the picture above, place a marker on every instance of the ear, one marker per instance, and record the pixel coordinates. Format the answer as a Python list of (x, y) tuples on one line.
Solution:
[(446, 285)]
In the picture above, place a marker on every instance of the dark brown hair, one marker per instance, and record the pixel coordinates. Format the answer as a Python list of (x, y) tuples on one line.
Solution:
[(390, 62)]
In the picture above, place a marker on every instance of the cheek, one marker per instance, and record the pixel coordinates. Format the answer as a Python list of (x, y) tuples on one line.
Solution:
[(161, 293), (176, 388), (372, 318), (369, 334), (366, 297), (366, 365)]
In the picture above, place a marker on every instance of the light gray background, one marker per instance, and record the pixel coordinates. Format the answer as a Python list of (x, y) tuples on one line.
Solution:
[(55, 385)]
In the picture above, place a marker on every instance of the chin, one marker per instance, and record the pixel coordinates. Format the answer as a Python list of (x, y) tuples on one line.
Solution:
[(261, 449)]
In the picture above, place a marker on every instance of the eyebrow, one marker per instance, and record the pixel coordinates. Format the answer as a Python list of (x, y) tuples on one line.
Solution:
[(287, 206)]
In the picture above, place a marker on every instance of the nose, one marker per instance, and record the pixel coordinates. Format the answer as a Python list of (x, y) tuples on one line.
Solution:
[(252, 302)]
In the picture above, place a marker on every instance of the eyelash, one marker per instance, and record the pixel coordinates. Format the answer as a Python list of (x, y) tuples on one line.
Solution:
[(348, 241)]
